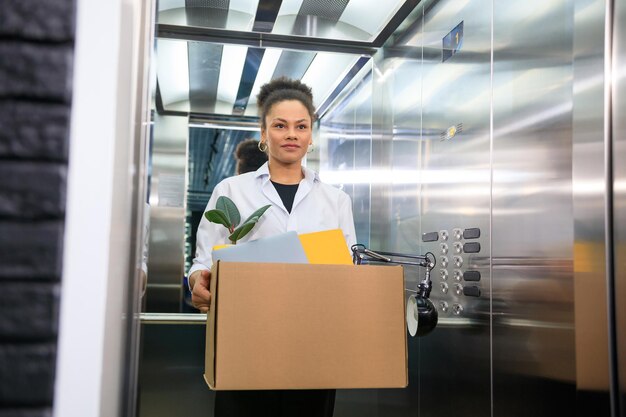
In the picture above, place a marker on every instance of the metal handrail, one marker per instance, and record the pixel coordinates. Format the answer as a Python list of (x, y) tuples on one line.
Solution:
[(172, 318)]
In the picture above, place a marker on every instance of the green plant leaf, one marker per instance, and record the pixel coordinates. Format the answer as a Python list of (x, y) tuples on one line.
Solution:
[(244, 229), (230, 209), (217, 216), (258, 213)]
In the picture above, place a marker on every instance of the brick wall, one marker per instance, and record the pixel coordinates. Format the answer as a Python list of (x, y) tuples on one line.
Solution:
[(36, 54)]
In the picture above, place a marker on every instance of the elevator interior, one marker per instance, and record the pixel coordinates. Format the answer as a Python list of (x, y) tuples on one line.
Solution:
[(477, 130)]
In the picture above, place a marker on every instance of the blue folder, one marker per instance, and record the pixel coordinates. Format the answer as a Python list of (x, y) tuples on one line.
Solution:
[(283, 248)]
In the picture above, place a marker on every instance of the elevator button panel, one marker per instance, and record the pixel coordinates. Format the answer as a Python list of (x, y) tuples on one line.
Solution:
[(473, 233), (471, 247), (454, 248)]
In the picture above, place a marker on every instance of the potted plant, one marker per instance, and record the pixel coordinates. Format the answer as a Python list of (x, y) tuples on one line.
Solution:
[(227, 214)]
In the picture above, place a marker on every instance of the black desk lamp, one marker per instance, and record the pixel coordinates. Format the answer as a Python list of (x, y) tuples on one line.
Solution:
[(427, 315)]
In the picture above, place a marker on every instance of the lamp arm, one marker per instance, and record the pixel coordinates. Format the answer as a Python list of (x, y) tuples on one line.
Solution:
[(361, 253)]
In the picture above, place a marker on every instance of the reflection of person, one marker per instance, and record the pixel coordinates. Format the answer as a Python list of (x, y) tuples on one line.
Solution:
[(248, 156), (299, 202)]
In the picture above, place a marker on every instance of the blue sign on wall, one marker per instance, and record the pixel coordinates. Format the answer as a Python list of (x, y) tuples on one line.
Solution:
[(452, 42)]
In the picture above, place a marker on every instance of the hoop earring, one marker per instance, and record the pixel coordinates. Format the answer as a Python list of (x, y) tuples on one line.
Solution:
[(261, 147), (311, 148)]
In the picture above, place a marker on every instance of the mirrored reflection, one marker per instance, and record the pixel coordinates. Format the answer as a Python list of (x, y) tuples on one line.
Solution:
[(166, 194), (187, 163), (214, 154), (191, 154), (205, 105)]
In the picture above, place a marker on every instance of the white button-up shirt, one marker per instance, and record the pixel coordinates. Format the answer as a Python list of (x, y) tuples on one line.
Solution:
[(316, 207)]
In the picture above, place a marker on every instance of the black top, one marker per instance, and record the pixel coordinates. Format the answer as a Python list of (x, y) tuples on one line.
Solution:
[(287, 193)]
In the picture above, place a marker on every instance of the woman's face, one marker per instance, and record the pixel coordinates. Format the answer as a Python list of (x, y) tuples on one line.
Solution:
[(288, 132)]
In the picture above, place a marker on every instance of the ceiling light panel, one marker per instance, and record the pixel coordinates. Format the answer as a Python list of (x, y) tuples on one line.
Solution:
[(212, 13), (359, 13), (268, 65), (326, 70), (290, 7), (244, 6), (241, 14), (173, 74), (231, 68), (340, 19)]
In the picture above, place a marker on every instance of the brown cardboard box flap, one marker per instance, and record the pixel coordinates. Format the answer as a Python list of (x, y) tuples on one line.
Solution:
[(209, 358), (298, 326)]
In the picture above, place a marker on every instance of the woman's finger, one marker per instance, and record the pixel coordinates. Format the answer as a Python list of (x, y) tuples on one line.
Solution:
[(201, 297)]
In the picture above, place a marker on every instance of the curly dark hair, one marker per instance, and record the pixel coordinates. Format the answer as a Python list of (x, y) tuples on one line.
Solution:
[(249, 157), (281, 89)]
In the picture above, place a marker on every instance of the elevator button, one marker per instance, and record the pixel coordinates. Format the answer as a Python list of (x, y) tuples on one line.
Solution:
[(458, 247), (458, 275), (444, 288), (443, 234), (457, 233), (471, 276), (444, 248), (458, 289), (430, 237), (457, 309), (443, 306), (458, 261), (471, 247), (473, 233), (444, 261), (471, 291), (443, 273)]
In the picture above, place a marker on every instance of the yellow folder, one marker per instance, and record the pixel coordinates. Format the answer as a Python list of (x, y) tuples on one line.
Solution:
[(326, 247)]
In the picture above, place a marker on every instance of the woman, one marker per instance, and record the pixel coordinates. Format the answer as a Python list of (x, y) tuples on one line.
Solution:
[(299, 202), (248, 156)]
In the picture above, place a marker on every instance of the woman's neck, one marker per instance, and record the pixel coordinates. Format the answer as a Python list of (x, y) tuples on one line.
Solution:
[(285, 173)]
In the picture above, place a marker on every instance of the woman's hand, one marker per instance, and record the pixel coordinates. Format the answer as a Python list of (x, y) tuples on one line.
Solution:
[(200, 295)]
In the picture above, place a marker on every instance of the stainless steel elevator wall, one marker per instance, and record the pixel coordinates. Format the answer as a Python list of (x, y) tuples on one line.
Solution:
[(507, 171), (167, 214), (532, 220), (454, 185), (589, 198), (619, 196)]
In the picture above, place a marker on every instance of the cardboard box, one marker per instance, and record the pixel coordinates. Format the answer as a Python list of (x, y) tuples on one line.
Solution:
[(299, 326)]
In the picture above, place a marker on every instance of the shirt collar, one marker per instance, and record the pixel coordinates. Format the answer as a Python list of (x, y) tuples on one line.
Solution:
[(310, 176), (263, 170)]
